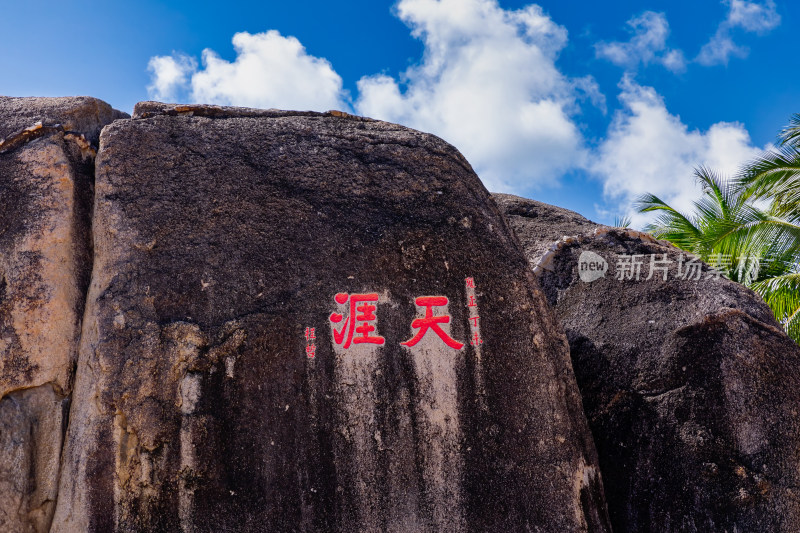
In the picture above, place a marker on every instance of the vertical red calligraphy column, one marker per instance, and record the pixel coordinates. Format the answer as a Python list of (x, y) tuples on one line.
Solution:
[(311, 345), (475, 339), (474, 316)]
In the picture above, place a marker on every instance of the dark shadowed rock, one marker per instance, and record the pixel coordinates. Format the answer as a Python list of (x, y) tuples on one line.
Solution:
[(222, 236), (46, 169), (691, 388)]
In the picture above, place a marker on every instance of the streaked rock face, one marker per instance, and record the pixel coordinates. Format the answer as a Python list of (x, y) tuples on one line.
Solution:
[(231, 245), (691, 388), (46, 168)]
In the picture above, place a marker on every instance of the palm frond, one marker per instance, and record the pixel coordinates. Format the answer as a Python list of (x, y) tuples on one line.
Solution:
[(774, 175), (670, 224), (790, 135), (622, 221), (792, 326), (782, 294)]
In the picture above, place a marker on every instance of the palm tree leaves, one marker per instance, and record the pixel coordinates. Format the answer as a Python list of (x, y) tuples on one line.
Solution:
[(782, 294), (775, 174), (790, 135), (670, 224), (722, 222), (753, 220), (622, 222)]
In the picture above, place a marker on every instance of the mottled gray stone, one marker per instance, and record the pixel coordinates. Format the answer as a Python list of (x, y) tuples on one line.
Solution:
[(31, 434)]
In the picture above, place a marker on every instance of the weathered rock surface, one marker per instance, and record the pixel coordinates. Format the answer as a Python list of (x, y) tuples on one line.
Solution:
[(221, 237), (691, 388), (539, 225), (32, 424), (46, 169), (81, 114)]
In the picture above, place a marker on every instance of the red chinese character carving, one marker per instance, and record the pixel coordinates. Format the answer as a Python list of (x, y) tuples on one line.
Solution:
[(470, 283), (476, 340), (432, 322), (472, 302), (310, 334), (357, 321), (310, 351), (474, 321)]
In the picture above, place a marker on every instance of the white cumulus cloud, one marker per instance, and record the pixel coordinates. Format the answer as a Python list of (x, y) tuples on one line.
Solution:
[(169, 74), (720, 49), (270, 70), (649, 150), (488, 84), (756, 17), (648, 44), (753, 16)]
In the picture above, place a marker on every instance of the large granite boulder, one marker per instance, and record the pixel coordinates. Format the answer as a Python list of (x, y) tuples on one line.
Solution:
[(691, 388), (313, 322), (46, 174)]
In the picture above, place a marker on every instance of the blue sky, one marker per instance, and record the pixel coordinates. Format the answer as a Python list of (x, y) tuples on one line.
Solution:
[(582, 104)]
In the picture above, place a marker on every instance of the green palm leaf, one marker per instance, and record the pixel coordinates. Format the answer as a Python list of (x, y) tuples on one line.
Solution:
[(774, 175), (782, 294), (790, 135)]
